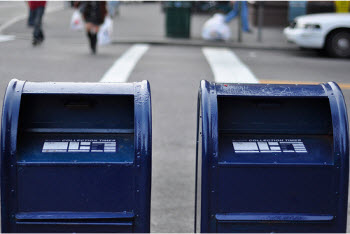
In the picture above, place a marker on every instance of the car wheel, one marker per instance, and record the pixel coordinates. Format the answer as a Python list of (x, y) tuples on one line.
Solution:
[(338, 44)]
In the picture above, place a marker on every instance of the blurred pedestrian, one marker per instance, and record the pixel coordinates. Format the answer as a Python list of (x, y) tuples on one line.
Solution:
[(30, 21), (94, 13), (37, 8), (244, 15), (113, 8)]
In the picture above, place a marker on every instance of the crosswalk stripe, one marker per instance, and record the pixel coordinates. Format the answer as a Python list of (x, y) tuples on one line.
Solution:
[(123, 66), (227, 67), (6, 38)]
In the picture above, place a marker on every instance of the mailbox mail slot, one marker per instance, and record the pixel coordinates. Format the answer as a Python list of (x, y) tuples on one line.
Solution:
[(76, 157), (271, 158)]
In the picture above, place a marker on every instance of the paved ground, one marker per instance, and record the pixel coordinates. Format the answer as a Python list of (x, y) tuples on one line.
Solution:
[(153, 29), (11, 9), (174, 73)]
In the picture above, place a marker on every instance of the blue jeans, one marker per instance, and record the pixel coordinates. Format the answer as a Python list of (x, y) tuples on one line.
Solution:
[(38, 16), (244, 14), (112, 7), (30, 21)]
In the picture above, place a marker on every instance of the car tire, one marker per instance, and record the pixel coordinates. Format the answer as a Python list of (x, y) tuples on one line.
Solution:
[(338, 44)]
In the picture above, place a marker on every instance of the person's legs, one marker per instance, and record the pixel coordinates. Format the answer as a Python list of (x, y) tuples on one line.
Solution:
[(92, 31), (117, 4), (233, 13), (244, 16), (30, 21), (111, 6), (38, 35), (88, 33), (35, 30)]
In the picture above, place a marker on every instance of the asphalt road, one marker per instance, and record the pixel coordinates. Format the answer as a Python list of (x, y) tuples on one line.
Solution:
[(174, 73)]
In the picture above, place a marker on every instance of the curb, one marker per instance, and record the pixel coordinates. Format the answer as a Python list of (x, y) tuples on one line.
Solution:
[(200, 43)]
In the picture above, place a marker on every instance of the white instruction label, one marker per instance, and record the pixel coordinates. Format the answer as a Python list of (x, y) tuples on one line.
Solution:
[(80, 145), (269, 146)]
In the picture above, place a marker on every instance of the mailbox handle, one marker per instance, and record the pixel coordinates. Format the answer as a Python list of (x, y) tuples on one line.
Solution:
[(78, 104)]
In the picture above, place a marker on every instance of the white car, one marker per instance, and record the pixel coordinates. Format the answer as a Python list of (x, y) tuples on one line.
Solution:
[(329, 31)]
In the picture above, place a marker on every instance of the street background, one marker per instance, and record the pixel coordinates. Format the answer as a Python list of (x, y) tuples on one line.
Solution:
[(174, 69)]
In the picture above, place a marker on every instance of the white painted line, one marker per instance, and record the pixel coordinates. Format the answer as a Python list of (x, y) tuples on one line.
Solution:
[(227, 67), (6, 38), (123, 66), (12, 21), (24, 16)]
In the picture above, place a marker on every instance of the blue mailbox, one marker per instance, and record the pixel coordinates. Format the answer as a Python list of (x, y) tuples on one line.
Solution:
[(76, 157), (271, 158)]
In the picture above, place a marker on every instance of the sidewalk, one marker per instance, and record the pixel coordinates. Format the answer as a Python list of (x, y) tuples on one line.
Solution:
[(145, 23)]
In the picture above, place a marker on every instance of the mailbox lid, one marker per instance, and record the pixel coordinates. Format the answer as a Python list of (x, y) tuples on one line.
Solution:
[(274, 115), (79, 113)]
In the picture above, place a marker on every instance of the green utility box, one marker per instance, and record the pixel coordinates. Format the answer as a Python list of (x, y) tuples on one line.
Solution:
[(178, 19)]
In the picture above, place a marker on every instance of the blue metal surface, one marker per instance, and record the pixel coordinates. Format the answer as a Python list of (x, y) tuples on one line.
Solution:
[(271, 158), (91, 190)]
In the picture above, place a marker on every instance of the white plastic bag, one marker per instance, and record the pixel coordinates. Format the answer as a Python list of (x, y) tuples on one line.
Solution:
[(216, 29), (76, 22), (105, 33)]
